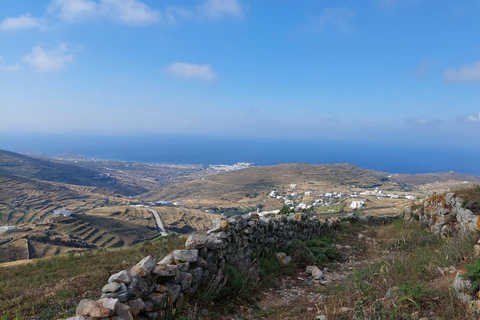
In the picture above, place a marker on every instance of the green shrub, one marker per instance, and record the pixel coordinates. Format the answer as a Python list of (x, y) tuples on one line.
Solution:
[(473, 274)]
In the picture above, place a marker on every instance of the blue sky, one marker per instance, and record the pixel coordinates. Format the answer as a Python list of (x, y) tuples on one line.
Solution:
[(402, 71)]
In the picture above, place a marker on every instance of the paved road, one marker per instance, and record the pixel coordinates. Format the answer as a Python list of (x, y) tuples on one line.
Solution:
[(159, 222)]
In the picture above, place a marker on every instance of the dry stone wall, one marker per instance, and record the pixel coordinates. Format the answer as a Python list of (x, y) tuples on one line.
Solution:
[(447, 214), (151, 289)]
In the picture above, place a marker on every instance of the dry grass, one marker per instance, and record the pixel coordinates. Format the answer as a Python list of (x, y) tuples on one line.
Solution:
[(50, 288)]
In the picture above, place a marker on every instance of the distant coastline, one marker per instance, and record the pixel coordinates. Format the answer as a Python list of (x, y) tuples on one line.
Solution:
[(184, 149)]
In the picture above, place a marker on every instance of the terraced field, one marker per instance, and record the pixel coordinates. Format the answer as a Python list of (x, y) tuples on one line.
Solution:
[(26, 200)]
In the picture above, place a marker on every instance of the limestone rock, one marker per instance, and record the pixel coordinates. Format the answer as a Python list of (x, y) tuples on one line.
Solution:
[(90, 308), (185, 280), (110, 304), (195, 241), (144, 267), (218, 224), (317, 274), (111, 287), (124, 312), (185, 255), (165, 270), (136, 306), (122, 276), (174, 292)]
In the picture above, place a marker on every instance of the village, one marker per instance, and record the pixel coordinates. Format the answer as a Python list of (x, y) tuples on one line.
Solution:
[(332, 201)]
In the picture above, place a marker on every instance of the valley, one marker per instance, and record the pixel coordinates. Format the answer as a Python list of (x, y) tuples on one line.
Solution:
[(112, 201)]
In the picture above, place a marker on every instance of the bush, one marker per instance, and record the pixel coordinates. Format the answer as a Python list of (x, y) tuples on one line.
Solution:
[(473, 274)]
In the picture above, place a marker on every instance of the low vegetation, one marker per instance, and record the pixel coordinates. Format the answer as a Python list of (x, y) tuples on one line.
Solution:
[(51, 288)]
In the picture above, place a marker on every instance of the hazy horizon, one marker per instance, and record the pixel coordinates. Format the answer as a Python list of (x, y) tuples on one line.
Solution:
[(194, 149)]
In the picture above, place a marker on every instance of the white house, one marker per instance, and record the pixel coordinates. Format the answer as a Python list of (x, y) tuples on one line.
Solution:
[(273, 194), (289, 202), (294, 195), (293, 186), (409, 197), (6, 227), (62, 212), (357, 204), (308, 193)]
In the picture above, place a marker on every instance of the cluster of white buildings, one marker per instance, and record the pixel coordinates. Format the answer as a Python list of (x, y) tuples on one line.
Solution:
[(326, 198), (226, 167)]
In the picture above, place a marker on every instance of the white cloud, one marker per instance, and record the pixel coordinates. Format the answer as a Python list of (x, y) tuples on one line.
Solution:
[(25, 21), (127, 11), (338, 18), (218, 9), (469, 118), (464, 74), (49, 61), (11, 68), (73, 10), (192, 70)]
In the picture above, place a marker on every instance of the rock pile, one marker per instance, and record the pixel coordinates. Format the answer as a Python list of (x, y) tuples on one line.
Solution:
[(152, 289)]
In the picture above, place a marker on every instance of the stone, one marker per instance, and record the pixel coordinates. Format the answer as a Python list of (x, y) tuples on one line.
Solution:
[(124, 312), (144, 267), (393, 292), (197, 274), (111, 287), (185, 255), (122, 276), (159, 300), (90, 308), (205, 313), (322, 317), (161, 288), (218, 224), (136, 306), (168, 259), (213, 243), (165, 270), (200, 262), (195, 241), (476, 249), (173, 292), (79, 318), (185, 280), (344, 310), (317, 274), (110, 304), (310, 269)]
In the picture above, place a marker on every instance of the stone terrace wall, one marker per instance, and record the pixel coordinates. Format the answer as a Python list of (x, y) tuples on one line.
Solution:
[(152, 289)]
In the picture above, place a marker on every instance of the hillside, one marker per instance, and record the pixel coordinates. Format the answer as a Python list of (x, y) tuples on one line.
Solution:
[(55, 171)]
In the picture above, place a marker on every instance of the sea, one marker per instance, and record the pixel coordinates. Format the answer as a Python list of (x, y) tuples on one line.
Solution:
[(195, 149)]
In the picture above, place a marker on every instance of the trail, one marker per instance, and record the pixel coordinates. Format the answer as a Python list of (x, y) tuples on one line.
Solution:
[(159, 222)]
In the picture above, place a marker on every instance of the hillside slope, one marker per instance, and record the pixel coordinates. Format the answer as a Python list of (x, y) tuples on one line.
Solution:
[(54, 171)]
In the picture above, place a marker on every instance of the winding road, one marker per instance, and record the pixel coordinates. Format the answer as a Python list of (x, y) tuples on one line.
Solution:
[(159, 222)]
